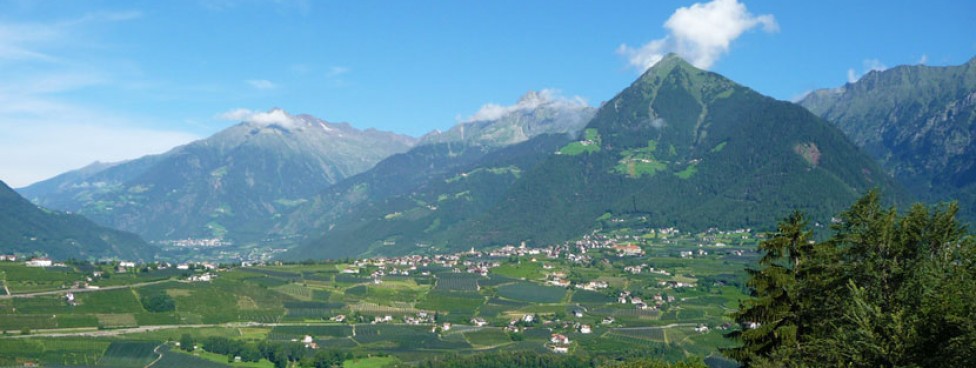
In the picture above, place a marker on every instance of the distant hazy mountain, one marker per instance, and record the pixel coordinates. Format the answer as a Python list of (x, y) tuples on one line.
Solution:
[(495, 148), (536, 113), (680, 146), (27, 229), (232, 185), (918, 121)]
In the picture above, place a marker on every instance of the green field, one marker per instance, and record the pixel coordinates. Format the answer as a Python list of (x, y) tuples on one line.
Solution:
[(302, 300), (532, 292), (129, 354)]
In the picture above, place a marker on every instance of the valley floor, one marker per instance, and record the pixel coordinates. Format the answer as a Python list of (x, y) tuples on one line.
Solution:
[(658, 292)]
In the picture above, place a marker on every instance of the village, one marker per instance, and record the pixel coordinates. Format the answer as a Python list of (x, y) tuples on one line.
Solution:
[(609, 284)]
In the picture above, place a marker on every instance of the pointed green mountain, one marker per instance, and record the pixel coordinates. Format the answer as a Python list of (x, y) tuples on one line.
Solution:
[(918, 121), (687, 148), (680, 147), (28, 229)]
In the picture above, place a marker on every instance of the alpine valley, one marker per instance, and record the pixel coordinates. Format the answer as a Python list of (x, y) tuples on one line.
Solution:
[(224, 190), (680, 147), (687, 222)]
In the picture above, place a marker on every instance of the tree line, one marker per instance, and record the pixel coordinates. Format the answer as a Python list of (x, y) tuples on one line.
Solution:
[(886, 289)]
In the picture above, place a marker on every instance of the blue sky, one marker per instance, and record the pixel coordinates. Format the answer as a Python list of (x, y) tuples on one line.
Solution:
[(89, 80)]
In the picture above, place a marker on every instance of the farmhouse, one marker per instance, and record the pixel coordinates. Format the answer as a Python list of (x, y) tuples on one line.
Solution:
[(40, 262), (478, 321), (630, 249), (559, 339)]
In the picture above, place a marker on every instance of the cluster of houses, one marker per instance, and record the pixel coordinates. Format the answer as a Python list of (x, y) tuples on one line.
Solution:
[(637, 269), (658, 299), (8, 257), (692, 253), (202, 243)]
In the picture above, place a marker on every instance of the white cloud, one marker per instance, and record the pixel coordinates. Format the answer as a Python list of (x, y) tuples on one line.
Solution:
[(273, 116), (852, 76), (701, 34), (924, 59), (869, 65), (261, 84), (529, 101)]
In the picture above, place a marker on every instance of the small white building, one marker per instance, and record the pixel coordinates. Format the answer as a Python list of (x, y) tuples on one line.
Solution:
[(585, 329), (40, 262), (559, 339)]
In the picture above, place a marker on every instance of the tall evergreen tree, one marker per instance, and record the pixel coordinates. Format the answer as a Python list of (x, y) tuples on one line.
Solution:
[(769, 320), (886, 290)]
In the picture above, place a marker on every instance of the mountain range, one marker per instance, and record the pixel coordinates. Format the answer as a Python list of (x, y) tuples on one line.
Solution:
[(918, 121), (233, 185), (680, 147)]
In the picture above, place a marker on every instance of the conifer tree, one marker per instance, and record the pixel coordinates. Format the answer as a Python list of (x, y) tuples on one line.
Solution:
[(769, 320)]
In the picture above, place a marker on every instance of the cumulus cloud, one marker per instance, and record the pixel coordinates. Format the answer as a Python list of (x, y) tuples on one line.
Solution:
[(924, 59), (273, 116), (529, 101), (261, 83), (701, 34), (869, 65)]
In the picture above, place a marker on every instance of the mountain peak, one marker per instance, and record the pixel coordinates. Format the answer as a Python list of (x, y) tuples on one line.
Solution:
[(668, 63), (543, 111)]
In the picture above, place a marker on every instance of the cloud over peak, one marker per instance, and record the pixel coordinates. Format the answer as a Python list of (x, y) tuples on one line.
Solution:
[(870, 65), (701, 34), (273, 116), (529, 101)]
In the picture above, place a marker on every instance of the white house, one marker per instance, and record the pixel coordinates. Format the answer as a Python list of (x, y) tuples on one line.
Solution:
[(585, 329), (39, 262), (559, 339)]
